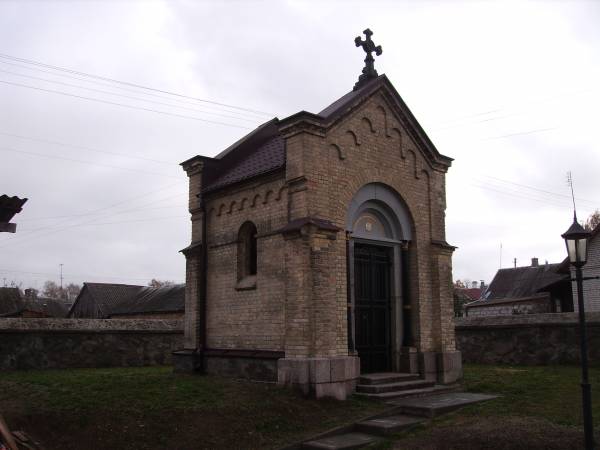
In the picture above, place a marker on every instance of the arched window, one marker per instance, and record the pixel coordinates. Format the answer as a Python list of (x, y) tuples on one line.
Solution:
[(247, 254)]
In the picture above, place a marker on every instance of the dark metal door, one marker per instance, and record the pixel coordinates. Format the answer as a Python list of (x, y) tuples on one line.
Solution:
[(372, 273)]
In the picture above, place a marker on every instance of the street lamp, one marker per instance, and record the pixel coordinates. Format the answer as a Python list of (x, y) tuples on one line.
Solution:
[(576, 239)]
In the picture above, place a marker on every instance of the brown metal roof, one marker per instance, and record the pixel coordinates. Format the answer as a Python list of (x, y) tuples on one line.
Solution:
[(263, 150), (266, 158)]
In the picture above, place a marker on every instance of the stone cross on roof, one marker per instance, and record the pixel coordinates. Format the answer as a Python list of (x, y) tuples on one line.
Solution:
[(369, 47)]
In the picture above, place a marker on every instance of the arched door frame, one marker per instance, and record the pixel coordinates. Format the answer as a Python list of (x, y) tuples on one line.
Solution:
[(385, 204)]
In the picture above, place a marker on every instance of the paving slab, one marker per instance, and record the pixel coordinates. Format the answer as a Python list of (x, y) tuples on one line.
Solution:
[(387, 425), (342, 441), (434, 405)]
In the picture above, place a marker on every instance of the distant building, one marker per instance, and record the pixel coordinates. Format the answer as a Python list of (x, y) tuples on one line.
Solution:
[(13, 304), (108, 300), (165, 302), (525, 290)]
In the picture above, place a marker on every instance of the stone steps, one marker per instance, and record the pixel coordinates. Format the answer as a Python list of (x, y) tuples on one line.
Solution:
[(435, 405), (413, 411), (387, 377), (394, 387), (409, 393)]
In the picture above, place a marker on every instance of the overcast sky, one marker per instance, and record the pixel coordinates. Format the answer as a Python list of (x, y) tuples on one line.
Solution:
[(509, 90)]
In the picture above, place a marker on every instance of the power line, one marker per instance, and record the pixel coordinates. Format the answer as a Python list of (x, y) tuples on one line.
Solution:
[(92, 223), (519, 195), (538, 189), (139, 86), (122, 104), (240, 114), (116, 213), (19, 239), (127, 96), (79, 161), (63, 144), (521, 133), (78, 275)]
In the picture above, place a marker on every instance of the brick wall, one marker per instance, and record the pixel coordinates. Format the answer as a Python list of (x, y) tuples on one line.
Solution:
[(299, 304), (373, 146), (70, 343), (250, 318)]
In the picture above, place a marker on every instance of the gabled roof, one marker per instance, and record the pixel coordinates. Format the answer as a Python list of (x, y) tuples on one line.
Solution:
[(12, 304), (106, 296), (523, 281), (471, 293), (154, 300), (109, 299), (263, 150)]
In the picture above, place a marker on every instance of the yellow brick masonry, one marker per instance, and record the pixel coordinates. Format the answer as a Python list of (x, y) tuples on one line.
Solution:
[(299, 305), (375, 147)]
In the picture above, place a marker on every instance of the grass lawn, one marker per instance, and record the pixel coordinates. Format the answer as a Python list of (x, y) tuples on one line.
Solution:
[(145, 408), (540, 408), (151, 408)]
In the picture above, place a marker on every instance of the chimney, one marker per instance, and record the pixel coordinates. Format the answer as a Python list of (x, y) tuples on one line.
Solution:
[(481, 284), (30, 294), (473, 284), (534, 262)]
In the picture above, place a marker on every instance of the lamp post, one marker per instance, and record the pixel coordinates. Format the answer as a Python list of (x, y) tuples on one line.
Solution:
[(576, 238)]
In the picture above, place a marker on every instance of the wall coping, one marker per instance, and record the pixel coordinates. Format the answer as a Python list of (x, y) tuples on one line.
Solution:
[(527, 320), (20, 325)]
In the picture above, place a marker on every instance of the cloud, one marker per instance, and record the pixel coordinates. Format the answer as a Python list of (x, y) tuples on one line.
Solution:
[(507, 89)]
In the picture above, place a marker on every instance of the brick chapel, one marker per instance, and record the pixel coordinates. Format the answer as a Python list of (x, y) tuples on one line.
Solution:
[(318, 249)]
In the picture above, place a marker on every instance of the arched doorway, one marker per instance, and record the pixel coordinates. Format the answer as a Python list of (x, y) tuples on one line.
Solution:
[(379, 229)]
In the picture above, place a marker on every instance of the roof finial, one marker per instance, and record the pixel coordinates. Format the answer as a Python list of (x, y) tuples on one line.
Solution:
[(369, 47)]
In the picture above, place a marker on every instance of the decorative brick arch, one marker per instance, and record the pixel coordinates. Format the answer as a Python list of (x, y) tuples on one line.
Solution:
[(386, 204)]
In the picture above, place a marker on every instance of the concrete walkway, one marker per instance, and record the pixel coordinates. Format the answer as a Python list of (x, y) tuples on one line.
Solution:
[(406, 413)]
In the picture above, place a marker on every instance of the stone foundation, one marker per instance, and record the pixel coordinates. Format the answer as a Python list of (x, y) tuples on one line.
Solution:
[(320, 377), (258, 365), (443, 367)]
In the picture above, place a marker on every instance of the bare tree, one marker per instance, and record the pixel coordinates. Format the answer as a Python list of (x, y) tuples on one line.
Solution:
[(160, 283), (592, 221), (53, 290)]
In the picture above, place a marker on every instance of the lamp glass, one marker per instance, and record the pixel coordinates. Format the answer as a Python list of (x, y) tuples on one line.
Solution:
[(582, 250), (572, 250)]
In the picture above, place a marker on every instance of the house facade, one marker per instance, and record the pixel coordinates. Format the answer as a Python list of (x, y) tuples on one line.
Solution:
[(534, 289), (319, 252), (591, 286)]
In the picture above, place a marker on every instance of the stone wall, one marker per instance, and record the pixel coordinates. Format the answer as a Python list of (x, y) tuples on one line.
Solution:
[(70, 343), (507, 307), (534, 339)]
